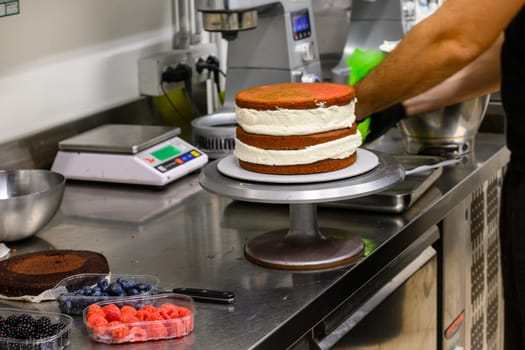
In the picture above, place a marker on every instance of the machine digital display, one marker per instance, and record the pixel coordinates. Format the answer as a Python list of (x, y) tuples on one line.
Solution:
[(301, 25), (165, 152)]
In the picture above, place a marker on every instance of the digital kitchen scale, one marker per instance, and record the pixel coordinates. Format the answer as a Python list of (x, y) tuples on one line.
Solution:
[(131, 154)]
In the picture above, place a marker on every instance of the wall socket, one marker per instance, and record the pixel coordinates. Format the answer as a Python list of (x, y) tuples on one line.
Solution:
[(150, 68)]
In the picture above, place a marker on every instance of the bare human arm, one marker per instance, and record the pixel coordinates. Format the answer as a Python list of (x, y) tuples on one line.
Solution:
[(481, 77), (445, 42)]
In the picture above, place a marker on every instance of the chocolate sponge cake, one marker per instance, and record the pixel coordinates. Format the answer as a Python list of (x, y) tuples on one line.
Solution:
[(33, 273), (296, 128)]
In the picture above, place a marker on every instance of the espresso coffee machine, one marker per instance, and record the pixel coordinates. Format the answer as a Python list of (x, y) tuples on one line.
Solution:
[(268, 42)]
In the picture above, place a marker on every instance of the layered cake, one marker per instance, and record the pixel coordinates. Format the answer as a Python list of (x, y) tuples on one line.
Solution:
[(33, 273), (296, 128)]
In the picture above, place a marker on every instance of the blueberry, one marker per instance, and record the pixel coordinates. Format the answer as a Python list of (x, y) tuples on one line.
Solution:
[(143, 287), (115, 289), (133, 291), (127, 285), (102, 282)]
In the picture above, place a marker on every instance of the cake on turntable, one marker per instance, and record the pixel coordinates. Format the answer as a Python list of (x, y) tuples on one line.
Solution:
[(304, 246)]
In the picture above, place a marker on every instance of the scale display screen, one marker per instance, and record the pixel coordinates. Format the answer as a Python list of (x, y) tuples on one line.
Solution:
[(301, 25), (165, 152)]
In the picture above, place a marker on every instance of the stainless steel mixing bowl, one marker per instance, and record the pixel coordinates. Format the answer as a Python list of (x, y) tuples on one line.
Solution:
[(28, 201), (450, 130)]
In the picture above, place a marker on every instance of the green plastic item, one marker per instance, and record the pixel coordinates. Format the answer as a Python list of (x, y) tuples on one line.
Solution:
[(361, 62), (364, 128)]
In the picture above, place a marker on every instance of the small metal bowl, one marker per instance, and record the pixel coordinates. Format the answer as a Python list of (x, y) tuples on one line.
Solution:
[(28, 201)]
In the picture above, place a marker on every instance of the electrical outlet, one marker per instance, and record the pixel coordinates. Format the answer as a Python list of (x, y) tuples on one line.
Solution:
[(150, 69)]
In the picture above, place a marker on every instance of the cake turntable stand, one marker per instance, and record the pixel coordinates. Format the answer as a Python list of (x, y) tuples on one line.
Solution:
[(304, 246)]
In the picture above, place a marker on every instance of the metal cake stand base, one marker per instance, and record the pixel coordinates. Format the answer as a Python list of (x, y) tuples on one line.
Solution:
[(304, 246)]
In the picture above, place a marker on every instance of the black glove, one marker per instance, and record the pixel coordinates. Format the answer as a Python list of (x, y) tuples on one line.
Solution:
[(382, 121)]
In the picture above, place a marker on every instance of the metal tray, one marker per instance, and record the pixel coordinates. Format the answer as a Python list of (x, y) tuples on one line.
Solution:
[(403, 195)]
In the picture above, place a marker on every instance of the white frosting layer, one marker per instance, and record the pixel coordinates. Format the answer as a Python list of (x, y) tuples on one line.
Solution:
[(336, 149), (282, 122)]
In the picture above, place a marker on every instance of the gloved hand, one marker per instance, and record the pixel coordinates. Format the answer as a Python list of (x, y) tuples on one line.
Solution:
[(382, 121)]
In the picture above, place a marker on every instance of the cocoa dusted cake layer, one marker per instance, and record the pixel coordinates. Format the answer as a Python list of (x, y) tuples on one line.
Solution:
[(33, 273)]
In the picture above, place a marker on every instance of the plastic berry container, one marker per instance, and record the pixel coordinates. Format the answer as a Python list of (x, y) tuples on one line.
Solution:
[(56, 338), (74, 304), (140, 319)]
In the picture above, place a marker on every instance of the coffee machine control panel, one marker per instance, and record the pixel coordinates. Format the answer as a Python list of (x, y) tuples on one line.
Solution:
[(302, 36), (301, 27), (304, 48)]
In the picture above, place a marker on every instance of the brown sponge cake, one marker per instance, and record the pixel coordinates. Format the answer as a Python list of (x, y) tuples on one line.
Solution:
[(321, 166), (295, 96), (33, 273), (296, 128)]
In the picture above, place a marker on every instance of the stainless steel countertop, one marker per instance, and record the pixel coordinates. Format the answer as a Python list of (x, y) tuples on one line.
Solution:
[(191, 238)]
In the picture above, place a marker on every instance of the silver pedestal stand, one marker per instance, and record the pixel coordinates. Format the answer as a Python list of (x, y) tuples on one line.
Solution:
[(304, 246)]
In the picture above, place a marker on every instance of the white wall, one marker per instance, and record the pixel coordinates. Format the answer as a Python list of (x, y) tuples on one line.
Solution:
[(61, 60)]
